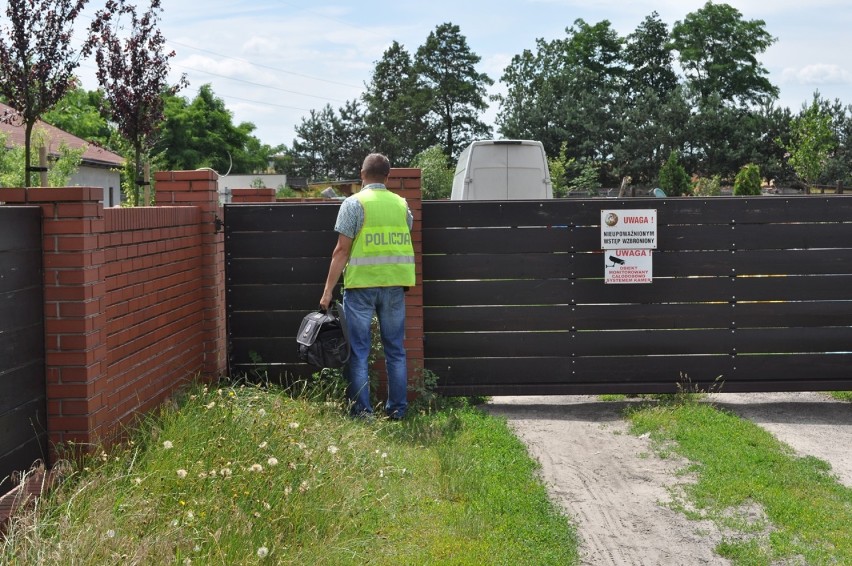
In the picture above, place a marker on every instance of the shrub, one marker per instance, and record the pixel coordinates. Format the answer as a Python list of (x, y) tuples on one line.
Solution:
[(705, 187), (747, 181), (673, 177)]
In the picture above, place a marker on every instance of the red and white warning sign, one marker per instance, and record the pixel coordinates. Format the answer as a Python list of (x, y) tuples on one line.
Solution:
[(628, 266)]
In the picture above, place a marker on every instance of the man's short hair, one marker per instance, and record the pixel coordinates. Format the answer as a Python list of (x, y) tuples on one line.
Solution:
[(376, 166)]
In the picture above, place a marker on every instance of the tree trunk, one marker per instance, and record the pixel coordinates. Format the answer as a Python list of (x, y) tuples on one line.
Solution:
[(28, 131)]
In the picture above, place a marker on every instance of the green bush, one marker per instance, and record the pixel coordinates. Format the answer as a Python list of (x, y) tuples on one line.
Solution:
[(711, 187), (747, 181), (674, 179)]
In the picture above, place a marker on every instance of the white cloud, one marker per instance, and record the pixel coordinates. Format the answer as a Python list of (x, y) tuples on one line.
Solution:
[(817, 74)]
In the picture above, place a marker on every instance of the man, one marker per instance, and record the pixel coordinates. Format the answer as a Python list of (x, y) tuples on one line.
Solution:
[(375, 255)]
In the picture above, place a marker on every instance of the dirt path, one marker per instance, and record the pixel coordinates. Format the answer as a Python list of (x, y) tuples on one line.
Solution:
[(615, 487)]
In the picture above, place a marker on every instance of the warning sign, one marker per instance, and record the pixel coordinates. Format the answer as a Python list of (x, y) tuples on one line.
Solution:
[(628, 266), (628, 229)]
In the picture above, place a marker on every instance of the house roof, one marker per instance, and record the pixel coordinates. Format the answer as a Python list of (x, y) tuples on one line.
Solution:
[(94, 155)]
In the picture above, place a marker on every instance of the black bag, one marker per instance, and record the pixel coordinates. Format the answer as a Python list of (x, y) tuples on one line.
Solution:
[(323, 340)]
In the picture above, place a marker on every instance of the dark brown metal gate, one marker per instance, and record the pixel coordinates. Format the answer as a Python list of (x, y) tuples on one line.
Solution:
[(750, 294), (23, 428)]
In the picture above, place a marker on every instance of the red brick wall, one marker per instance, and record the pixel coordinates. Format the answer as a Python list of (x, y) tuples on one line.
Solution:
[(153, 305), (134, 301), (252, 195), (407, 184)]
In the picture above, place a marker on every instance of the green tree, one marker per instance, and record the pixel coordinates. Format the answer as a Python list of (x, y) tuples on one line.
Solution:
[(648, 54), (437, 174), (79, 113), (747, 181), (811, 142), (674, 179), (718, 52), (61, 168), (329, 146), (569, 90), (651, 128), (201, 133), (37, 61), (447, 67), (397, 108)]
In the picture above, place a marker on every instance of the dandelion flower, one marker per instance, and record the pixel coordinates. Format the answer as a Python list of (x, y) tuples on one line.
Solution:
[(333, 449), (256, 468), (181, 473), (262, 552), (225, 472), (263, 445), (384, 454), (273, 461), (294, 425), (168, 445), (137, 481), (110, 533)]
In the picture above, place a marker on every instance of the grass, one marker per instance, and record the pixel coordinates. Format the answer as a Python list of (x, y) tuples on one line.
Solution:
[(252, 475), (842, 395), (773, 505)]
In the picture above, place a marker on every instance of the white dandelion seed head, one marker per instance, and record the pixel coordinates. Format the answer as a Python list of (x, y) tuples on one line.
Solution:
[(262, 552), (293, 425), (137, 481), (384, 454), (381, 473), (225, 472), (273, 461), (211, 404), (202, 475), (263, 445), (181, 473), (190, 515), (262, 412), (256, 468), (303, 487), (288, 490), (167, 444), (333, 449), (110, 533)]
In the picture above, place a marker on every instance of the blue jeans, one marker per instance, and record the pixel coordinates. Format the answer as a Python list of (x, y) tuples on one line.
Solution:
[(388, 303)]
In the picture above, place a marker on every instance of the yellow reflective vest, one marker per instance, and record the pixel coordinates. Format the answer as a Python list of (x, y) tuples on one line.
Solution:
[(382, 254)]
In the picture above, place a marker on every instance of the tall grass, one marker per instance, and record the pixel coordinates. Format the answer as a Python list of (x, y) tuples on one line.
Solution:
[(250, 475)]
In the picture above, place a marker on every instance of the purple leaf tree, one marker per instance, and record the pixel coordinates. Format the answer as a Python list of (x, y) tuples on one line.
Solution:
[(133, 69), (37, 61)]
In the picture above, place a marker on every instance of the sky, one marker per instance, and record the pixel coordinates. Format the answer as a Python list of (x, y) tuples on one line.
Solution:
[(273, 61)]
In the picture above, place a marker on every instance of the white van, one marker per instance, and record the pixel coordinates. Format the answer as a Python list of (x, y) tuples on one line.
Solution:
[(502, 170)]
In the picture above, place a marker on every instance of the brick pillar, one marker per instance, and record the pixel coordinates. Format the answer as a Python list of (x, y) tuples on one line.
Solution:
[(406, 183), (200, 188), (74, 319), (252, 195)]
